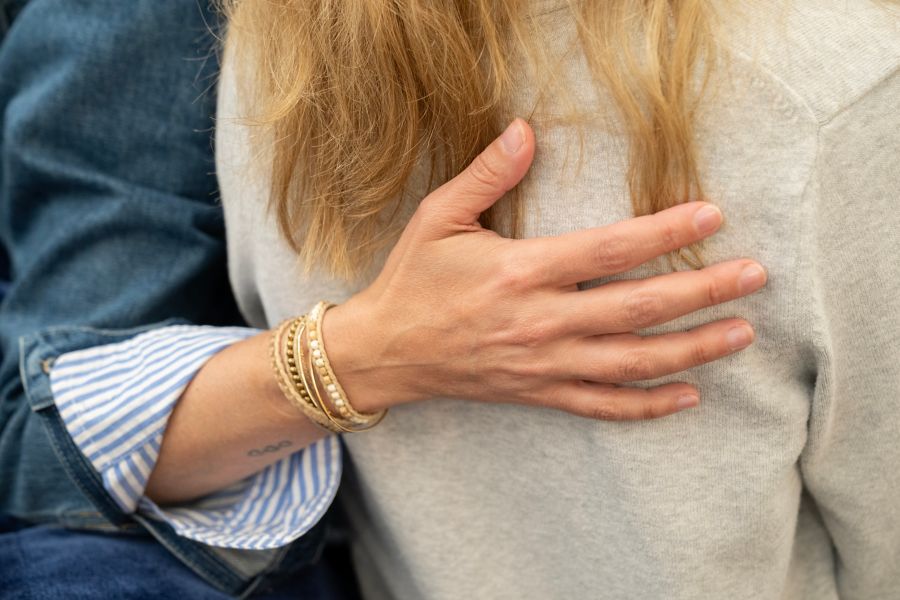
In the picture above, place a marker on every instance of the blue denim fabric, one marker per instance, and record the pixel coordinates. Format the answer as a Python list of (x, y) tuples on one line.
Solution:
[(49, 562), (4, 273), (110, 222)]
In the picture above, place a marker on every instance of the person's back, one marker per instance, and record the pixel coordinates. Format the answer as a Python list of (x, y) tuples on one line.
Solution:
[(783, 483)]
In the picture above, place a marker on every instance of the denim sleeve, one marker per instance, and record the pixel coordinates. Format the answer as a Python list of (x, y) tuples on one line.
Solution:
[(109, 220), (115, 401), (107, 194)]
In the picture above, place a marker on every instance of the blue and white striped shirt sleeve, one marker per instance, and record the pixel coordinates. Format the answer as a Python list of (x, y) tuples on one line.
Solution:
[(115, 401)]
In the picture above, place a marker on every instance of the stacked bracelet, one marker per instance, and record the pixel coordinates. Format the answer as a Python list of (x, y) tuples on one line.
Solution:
[(307, 379), (287, 372)]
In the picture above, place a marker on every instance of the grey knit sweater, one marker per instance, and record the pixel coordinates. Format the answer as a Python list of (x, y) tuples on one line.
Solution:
[(785, 482)]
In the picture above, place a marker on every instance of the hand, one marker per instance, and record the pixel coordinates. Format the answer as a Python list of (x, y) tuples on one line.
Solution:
[(460, 311)]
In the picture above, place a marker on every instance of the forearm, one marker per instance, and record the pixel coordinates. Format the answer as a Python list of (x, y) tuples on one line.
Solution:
[(231, 422)]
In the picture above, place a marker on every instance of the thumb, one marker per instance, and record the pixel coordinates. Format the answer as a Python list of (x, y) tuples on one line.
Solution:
[(494, 172)]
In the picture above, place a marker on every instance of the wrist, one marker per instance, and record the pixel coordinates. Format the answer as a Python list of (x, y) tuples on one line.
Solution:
[(353, 337)]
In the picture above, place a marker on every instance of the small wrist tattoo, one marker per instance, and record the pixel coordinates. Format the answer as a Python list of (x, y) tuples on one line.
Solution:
[(270, 448)]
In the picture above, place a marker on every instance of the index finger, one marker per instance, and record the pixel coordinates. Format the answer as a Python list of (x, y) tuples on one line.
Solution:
[(602, 251)]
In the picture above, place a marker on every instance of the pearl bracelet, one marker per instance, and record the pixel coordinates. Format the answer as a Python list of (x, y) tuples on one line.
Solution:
[(335, 394)]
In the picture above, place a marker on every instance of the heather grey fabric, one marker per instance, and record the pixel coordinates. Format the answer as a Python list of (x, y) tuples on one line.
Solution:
[(784, 483)]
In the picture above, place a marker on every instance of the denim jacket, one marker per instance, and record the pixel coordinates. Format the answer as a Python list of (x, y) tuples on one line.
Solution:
[(110, 224)]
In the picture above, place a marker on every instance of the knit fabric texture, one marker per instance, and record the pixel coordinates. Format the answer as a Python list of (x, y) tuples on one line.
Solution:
[(784, 482)]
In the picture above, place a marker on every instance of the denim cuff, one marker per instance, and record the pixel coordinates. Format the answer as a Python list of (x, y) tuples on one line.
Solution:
[(232, 572), (115, 401), (37, 353)]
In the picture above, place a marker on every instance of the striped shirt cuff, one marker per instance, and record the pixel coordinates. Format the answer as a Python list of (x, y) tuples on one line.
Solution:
[(115, 401)]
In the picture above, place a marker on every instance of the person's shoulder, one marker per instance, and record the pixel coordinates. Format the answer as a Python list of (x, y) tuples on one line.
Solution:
[(829, 53)]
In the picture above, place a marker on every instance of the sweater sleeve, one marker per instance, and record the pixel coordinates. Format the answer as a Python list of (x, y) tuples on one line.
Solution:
[(115, 401), (850, 462)]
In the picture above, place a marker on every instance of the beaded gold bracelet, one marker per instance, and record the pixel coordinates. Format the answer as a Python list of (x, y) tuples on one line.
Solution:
[(335, 394), (297, 395), (315, 390), (312, 388)]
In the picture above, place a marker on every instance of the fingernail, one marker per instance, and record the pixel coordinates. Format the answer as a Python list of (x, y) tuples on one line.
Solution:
[(707, 219), (513, 138), (752, 278), (739, 337), (687, 401)]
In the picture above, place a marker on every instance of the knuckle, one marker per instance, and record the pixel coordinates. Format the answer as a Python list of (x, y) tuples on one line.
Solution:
[(485, 172), (613, 254), (539, 395), (634, 365), (643, 308), (420, 216), (668, 235), (533, 333), (515, 275), (651, 410), (558, 396), (607, 411), (700, 354), (431, 209), (427, 207), (714, 293), (520, 377)]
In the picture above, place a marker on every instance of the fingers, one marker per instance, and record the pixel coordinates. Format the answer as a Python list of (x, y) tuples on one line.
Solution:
[(627, 357), (622, 306), (601, 251), (613, 403), (493, 173)]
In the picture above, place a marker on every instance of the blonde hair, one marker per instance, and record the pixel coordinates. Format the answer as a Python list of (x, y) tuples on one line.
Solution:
[(354, 94)]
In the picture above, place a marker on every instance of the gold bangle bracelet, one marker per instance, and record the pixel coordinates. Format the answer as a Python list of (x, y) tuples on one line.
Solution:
[(294, 358)]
